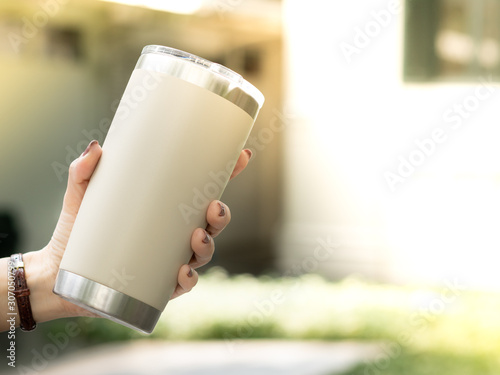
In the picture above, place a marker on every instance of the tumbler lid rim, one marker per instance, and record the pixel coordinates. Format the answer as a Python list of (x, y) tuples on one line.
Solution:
[(233, 79)]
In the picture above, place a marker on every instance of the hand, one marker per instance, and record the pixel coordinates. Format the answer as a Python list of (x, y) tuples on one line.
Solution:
[(42, 266)]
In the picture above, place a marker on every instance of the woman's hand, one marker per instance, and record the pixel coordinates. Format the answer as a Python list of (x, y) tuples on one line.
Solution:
[(42, 266)]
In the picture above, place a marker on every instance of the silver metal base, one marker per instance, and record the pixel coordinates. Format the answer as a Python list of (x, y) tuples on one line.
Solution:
[(107, 302)]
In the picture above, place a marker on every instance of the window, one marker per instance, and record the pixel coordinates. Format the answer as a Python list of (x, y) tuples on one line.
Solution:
[(451, 40)]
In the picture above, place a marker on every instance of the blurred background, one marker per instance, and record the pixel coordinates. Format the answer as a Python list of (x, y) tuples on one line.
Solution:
[(372, 203)]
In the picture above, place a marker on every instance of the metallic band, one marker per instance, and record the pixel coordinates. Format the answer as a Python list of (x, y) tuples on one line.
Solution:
[(203, 73), (107, 302), (17, 260)]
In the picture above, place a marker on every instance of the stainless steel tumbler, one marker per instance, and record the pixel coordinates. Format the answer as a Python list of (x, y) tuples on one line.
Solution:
[(174, 140)]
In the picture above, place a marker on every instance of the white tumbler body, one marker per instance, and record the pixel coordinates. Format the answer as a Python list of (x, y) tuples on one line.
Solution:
[(169, 152)]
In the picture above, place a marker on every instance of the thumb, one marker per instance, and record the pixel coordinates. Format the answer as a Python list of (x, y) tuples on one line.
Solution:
[(80, 171)]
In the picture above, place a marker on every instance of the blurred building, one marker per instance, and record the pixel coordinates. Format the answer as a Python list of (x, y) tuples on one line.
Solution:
[(64, 66), (375, 152), (393, 151)]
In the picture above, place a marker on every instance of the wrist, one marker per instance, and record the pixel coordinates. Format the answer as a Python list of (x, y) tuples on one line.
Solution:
[(40, 279)]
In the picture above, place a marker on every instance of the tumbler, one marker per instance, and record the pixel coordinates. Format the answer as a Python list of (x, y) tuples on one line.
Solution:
[(170, 150)]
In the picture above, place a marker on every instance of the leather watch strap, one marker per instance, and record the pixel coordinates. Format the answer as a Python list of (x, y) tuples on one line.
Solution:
[(22, 293)]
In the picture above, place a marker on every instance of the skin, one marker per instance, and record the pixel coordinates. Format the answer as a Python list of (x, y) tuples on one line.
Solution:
[(41, 266)]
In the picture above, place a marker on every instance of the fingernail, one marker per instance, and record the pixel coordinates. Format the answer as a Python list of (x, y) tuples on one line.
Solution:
[(207, 238), (190, 273), (88, 148), (249, 153), (222, 209)]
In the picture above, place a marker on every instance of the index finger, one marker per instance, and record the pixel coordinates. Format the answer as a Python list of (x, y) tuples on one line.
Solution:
[(242, 162)]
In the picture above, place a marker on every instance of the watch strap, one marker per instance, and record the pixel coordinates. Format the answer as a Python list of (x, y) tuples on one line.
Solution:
[(22, 293)]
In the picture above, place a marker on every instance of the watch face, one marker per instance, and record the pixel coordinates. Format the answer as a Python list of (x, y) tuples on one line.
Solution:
[(17, 260)]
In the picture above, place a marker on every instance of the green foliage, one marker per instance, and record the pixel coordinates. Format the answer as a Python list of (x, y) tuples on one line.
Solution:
[(430, 363), (436, 330)]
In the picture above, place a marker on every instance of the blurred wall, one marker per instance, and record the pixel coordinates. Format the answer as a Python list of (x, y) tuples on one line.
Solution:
[(61, 78), (46, 100), (354, 126)]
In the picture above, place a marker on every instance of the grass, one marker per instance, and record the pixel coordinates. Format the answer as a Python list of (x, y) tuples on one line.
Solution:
[(425, 330), (431, 362)]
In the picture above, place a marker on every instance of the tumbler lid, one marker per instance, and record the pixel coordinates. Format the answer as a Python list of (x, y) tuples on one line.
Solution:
[(204, 73)]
